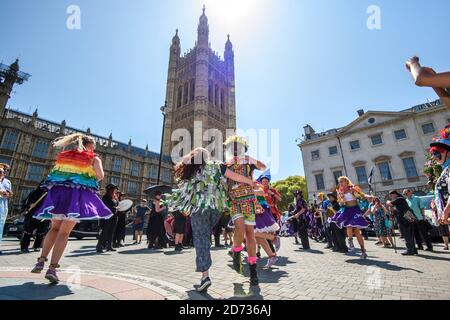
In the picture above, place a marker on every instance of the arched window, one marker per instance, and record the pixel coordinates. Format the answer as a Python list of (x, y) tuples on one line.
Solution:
[(192, 92), (180, 96), (186, 93), (210, 92), (216, 96), (222, 99)]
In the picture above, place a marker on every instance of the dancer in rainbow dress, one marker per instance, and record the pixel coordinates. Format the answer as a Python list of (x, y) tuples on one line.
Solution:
[(72, 185), (242, 203)]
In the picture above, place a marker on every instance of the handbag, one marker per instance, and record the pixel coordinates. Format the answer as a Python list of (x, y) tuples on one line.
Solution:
[(410, 217)]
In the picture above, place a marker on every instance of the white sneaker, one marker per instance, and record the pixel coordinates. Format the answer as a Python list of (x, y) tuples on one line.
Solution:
[(351, 246), (363, 255), (271, 262)]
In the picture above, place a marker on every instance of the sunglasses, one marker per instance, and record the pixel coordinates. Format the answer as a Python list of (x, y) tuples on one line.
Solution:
[(437, 155)]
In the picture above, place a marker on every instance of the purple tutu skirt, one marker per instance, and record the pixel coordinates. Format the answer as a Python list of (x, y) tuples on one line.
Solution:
[(350, 217), (69, 203), (265, 222)]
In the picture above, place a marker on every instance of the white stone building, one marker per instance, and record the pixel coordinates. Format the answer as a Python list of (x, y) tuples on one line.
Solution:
[(394, 144)]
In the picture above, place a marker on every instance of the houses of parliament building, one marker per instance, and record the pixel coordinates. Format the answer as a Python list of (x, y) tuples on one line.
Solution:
[(200, 87)]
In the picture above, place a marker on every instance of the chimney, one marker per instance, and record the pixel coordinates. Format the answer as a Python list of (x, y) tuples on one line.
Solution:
[(309, 131), (360, 112)]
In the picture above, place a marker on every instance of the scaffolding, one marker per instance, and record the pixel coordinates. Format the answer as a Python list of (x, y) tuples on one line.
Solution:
[(9, 71)]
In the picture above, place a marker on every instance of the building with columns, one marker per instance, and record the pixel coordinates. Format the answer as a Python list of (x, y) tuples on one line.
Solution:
[(393, 143), (200, 89)]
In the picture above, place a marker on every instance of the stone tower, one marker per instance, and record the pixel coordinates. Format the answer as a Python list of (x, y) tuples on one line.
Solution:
[(200, 88), (9, 76)]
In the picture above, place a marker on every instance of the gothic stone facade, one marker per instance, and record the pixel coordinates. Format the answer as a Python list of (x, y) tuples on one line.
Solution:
[(200, 89), (25, 146), (395, 144)]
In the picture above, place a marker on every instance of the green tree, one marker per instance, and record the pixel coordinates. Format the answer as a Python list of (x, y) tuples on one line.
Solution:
[(287, 187)]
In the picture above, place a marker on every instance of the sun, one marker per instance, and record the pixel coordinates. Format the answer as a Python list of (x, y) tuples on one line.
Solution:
[(232, 10)]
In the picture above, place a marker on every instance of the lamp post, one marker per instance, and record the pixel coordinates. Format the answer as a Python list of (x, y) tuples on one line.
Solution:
[(163, 111)]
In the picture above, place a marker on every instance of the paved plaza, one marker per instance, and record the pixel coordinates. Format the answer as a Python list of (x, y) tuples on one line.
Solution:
[(134, 272)]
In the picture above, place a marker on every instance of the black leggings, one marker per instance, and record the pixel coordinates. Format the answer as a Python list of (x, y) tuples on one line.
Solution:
[(155, 231)]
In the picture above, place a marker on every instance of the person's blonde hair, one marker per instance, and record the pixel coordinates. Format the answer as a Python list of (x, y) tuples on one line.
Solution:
[(346, 179), (79, 139)]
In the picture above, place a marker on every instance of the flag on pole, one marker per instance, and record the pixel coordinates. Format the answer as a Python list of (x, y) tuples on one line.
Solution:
[(370, 179)]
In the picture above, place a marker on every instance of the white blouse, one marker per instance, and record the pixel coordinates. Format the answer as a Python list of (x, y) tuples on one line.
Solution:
[(349, 197)]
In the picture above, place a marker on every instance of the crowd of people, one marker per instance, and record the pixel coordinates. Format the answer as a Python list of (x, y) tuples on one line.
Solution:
[(215, 199)]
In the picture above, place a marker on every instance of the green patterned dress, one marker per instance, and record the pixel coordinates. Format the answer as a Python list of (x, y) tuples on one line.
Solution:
[(206, 190)]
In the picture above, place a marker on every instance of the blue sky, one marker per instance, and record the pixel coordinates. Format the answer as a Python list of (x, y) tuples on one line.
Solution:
[(297, 62)]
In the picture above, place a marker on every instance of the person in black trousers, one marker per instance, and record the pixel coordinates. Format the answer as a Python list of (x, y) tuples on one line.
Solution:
[(400, 207), (119, 233), (30, 204), (155, 230), (421, 228), (105, 241), (300, 213), (293, 221), (337, 234), (218, 230)]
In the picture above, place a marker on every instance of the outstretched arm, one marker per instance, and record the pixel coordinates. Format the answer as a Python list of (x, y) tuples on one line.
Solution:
[(427, 77), (237, 177)]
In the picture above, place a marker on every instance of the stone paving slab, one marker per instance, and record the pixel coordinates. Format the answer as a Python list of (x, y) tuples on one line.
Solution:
[(298, 275)]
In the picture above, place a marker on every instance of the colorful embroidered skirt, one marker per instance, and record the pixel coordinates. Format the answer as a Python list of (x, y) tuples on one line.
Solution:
[(350, 217)]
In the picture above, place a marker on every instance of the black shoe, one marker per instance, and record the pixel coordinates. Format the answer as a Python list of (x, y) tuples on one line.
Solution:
[(204, 285), (408, 253), (253, 275), (419, 248), (258, 255), (111, 249), (237, 262), (430, 249), (37, 249), (328, 247), (178, 248), (25, 250), (99, 249)]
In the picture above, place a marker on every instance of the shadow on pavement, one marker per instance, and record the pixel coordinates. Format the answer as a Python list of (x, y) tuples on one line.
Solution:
[(380, 264), (141, 251), (239, 293), (33, 291), (12, 252), (282, 262), (87, 254), (433, 257), (313, 251)]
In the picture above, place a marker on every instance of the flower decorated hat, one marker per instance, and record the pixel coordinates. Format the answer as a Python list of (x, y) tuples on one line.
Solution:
[(443, 141)]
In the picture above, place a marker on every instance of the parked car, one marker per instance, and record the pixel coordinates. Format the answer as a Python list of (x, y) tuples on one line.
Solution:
[(85, 229), (15, 228), (434, 232)]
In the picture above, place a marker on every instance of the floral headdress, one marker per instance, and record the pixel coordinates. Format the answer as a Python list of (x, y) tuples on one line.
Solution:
[(236, 139)]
